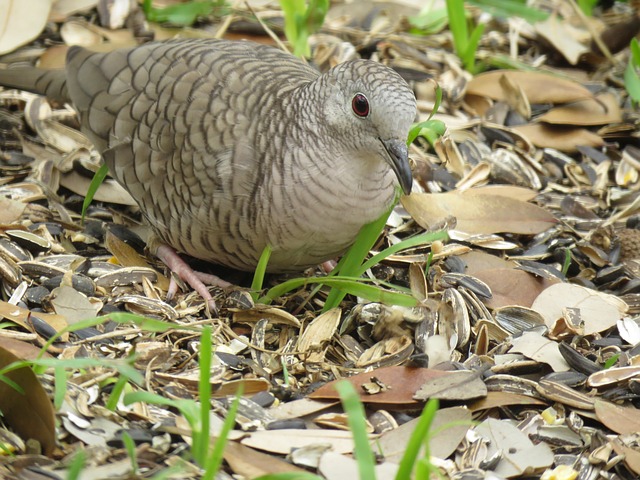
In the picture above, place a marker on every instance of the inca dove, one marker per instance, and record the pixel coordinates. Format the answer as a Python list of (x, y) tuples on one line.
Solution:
[(230, 146)]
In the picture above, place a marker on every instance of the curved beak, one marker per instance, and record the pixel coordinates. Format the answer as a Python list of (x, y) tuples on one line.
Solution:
[(399, 161)]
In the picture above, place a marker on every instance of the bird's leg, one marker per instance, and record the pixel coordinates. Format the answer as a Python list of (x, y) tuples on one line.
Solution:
[(329, 265), (195, 280)]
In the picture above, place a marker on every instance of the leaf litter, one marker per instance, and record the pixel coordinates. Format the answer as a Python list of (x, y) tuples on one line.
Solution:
[(527, 327)]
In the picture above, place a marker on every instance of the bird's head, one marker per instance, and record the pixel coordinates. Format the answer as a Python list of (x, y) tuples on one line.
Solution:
[(374, 107)]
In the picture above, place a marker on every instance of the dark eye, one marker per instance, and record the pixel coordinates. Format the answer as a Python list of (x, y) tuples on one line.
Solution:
[(360, 105)]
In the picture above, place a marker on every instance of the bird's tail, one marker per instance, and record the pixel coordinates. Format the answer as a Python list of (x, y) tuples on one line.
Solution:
[(52, 83)]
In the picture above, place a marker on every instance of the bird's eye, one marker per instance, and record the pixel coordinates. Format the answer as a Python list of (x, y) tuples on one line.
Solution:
[(360, 105)]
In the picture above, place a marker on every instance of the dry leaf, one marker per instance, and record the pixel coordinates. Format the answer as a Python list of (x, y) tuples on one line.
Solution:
[(21, 22), (598, 311), (519, 454), (535, 346), (512, 287), (631, 456), (459, 385), (481, 214), (448, 428), (402, 383), (593, 111), (617, 418), (283, 441), (538, 87), (565, 139), (29, 412), (503, 399), (339, 467), (248, 463)]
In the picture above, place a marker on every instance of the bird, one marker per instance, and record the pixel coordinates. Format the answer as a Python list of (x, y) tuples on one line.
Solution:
[(231, 146)]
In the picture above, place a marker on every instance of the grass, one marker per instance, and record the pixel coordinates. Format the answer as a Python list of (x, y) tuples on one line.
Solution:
[(301, 20), (182, 14), (207, 454), (466, 37), (631, 73)]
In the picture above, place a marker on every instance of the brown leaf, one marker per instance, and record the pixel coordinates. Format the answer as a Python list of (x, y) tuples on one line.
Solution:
[(24, 350), (631, 456), (593, 111), (29, 412), (249, 463), (20, 316), (448, 428), (402, 383), (461, 385), (502, 399), (479, 214), (538, 87), (512, 287), (619, 419), (565, 139)]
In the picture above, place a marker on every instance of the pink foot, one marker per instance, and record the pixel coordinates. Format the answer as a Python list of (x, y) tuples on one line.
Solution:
[(329, 265), (195, 280)]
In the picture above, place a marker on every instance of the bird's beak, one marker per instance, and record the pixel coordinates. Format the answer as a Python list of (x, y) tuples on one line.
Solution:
[(399, 161)]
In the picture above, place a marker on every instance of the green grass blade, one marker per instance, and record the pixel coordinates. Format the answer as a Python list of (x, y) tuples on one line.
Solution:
[(351, 285), (631, 76), (96, 181), (130, 447), (260, 272), (429, 21), (116, 392), (77, 465), (419, 437), (201, 440), (350, 264), (422, 239), (458, 25), (358, 425), (217, 454), (511, 8), (468, 57)]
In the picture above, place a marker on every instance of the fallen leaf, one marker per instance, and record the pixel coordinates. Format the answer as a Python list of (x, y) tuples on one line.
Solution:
[(617, 418), (21, 22), (593, 111), (519, 455), (334, 466), (283, 441), (459, 385), (24, 350), (598, 311), (538, 87), (535, 346), (402, 383), (631, 456), (20, 316), (480, 214), (512, 287), (248, 463), (29, 412), (565, 139), (73, 305), (448, 429), (503, 399)]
